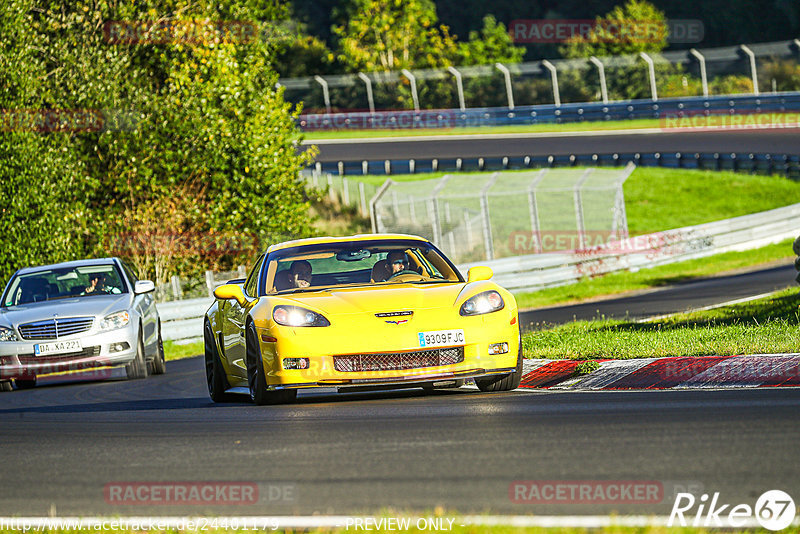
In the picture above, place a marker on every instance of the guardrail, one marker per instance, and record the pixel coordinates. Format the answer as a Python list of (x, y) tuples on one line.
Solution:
[(182, 320), (537, 271), (670, 110), (786, 164)]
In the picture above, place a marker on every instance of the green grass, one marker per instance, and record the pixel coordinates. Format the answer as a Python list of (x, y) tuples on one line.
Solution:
[(522, 128), (659, 199), (455, 529), (764, 326), (624, 281), (176, 351)]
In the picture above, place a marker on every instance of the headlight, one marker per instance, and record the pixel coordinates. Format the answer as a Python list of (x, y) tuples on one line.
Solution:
[(8, 334), (486, 302), (296, 316), (115, 320)]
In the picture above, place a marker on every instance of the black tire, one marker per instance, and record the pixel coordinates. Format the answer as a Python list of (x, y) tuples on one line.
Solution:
[(256, 379), (25, 383), (216, 379), (138, 367), (5, 385), (503, 382), (159, 364)]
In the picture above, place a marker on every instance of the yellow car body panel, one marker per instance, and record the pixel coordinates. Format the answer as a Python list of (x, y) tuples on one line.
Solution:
[(362, 324)]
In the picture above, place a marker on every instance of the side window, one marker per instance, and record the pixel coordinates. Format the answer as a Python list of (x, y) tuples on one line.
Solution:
[(129, 273), (251, 284)]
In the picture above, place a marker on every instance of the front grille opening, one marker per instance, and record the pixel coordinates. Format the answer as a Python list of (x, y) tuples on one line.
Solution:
[(353, 363), (55, 328), (87, 352)]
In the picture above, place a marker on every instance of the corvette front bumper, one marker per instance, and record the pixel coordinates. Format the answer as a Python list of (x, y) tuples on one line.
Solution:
[(323, 371)]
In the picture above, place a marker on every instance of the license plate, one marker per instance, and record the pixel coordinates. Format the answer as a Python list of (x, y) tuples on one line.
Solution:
[(441, 338), (59, 347)]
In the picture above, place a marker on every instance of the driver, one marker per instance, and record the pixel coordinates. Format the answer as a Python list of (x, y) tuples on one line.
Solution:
[(300, 273), (398, 261), (97, 284)]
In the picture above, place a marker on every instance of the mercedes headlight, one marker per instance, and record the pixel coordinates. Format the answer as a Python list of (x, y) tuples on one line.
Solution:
[(297, 316), (486, 302), (8, 334), (115, 320)]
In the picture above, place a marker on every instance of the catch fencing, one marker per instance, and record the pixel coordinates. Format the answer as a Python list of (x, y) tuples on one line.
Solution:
[(483, 216)]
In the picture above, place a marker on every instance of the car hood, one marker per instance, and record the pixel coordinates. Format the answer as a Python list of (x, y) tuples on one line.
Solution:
[(100, 305), (377, 299)]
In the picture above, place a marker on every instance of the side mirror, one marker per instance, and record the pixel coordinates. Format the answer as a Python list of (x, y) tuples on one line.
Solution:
[(231, 291), (476, 274), (143, 286)]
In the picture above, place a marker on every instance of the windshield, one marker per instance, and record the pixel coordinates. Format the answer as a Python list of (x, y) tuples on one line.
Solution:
[(355, 264), (80, 281)]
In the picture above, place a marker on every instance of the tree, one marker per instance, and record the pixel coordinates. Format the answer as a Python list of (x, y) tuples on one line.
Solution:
[(385, 35)]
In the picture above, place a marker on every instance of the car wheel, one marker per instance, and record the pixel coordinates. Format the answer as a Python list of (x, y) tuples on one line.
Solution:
[(256, 380), (138, 367), (215, 375), (6, 386), (159, 365), (503, 382), (25, 383)]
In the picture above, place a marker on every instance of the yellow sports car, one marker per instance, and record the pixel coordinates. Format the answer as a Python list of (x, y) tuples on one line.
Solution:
[(366, 311)]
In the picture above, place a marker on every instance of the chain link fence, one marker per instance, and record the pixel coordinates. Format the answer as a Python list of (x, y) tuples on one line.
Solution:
[(484, 216)]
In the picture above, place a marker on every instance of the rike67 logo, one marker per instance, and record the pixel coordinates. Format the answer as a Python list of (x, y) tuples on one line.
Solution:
[(774, 510)]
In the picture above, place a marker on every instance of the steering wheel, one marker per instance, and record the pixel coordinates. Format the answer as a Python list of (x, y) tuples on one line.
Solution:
[(403, 272)]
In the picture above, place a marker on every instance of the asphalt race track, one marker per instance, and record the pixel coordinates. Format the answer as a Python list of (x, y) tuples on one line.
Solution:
[(672, 299), (343, 454), (778, 141)]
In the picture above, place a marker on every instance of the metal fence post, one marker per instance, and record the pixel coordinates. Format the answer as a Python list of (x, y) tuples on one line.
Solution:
[(602, 71), (210, 283), (363, 196), (373, 204), (579, 222), (487, 223), (533, 208), (325, 95), (652, 70), (702, 60), (753, 73), (176, 287), (509, 91), (413, 80), (554, 75), (459, 87), (368, 83), (436, 223)]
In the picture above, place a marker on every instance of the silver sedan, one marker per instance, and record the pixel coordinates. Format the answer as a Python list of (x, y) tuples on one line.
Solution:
[(78, 315)]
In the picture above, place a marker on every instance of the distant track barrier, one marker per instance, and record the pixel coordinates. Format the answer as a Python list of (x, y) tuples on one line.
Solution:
[(785, 164), (671, 112)]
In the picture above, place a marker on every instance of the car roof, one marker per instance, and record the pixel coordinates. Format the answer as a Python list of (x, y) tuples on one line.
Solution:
[(67, 264), (343, 239)]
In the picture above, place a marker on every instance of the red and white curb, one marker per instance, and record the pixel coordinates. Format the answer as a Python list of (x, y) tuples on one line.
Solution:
[(747, 371)]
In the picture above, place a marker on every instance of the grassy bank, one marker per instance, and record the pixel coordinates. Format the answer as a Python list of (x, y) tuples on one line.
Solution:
[(764, 326), (624, 281), (177, 351)]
